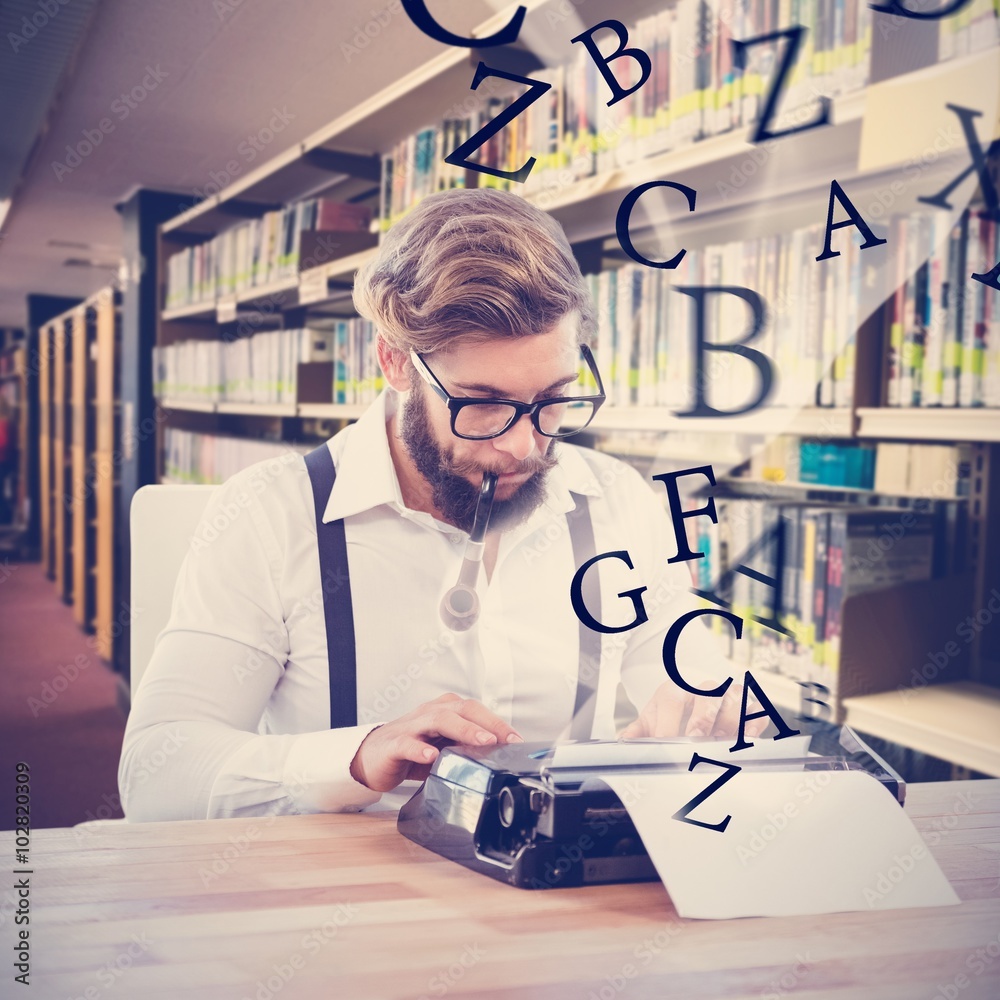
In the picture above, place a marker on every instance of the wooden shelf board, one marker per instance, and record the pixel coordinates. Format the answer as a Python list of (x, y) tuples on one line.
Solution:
[(815, 422), (344, 267), (668, 453), (375, 123), (332, 411), (956, 722), (186, 404), (190, 311), (336, 411), (258, 409), (687, 158), (754, 484), (261, 292), (930, 423)]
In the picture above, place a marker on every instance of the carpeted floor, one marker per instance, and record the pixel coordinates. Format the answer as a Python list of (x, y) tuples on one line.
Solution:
[(58, 709)]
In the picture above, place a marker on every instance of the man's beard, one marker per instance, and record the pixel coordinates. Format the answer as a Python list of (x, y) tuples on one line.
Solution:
[(453, 495)]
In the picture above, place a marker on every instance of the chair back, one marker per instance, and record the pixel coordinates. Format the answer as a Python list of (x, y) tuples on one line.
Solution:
[(162, 522)]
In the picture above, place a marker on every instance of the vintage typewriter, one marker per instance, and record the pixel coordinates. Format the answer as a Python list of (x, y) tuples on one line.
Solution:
[(540, 817)]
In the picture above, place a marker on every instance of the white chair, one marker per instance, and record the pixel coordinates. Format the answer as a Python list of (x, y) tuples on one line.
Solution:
[(162, 522)]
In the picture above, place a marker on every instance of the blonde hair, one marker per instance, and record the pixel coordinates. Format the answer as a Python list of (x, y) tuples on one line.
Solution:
[(472, 264)]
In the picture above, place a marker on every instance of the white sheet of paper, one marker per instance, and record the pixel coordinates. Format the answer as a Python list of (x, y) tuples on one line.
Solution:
[(798, 843)]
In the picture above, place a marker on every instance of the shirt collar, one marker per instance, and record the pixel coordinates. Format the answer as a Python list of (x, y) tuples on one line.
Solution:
[(366, 477)]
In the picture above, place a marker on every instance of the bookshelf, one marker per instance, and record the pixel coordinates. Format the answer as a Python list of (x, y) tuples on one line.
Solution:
[(61, 334), (107, 429), (929, 424), (342, 161), (922, 719), (78, 459), (80, 497), (45, 450), (14, 406)]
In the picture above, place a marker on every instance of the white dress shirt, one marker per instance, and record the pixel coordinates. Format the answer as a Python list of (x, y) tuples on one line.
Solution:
[(232, 716)]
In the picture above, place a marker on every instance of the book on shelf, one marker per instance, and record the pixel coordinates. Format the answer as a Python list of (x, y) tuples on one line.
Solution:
[(892, 468), (932, 470), (787, 458), (192, 457), (258, 252), (971, 29), (944, 329), (645, 345), (264, 368), (831, 553), (694, 91)]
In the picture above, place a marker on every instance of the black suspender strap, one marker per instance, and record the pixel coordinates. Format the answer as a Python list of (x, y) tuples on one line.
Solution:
[(581, 533), (337, 606)]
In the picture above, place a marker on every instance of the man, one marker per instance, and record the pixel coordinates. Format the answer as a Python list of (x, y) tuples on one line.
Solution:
[(475, 296)]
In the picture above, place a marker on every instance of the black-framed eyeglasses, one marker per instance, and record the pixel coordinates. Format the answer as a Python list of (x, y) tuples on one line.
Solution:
[(480, 419)]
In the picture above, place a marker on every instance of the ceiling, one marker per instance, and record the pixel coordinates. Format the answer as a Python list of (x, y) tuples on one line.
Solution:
[(171, 90)]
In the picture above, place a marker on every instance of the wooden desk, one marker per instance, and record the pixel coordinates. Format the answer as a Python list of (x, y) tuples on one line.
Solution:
[(219, 909)]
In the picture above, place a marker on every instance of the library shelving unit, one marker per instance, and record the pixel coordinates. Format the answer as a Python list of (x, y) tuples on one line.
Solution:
[(78, 458), (15, 387), (342, 161)]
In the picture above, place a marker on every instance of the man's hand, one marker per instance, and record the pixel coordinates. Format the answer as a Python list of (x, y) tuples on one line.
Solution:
[(407, 746), (673, 711)]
